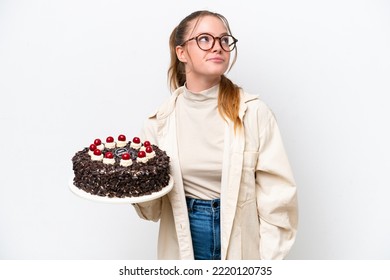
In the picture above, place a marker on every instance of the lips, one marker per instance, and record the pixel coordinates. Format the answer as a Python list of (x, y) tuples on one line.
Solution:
[(216, 59)]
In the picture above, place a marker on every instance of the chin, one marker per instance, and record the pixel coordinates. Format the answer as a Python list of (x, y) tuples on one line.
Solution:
[(218, 72)]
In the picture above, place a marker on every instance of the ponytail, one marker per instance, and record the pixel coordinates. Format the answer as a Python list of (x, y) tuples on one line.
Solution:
[(176, 70), (229, 101)]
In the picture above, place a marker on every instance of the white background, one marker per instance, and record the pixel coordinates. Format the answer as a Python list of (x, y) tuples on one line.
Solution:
[(72, 71)]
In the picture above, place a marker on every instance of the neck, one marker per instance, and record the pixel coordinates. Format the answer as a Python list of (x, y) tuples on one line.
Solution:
[(201, 85)]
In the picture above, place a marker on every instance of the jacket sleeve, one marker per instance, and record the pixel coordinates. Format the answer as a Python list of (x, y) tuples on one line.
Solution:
[(150, 210), (276, 194)]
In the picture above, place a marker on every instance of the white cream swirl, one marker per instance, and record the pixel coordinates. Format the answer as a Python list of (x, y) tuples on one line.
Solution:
[(100, 147), (151, 155), (121, 144), (135, 145), (143, 160), (126, 162), (108, 160), (97, 157), (110, 145)]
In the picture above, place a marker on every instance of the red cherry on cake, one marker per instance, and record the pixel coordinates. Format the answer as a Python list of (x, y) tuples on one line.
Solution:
[(97, 142), (97, 152), (109, 155), (126, 156), (122, 137), (141, 154), (136, 140), (92, 147), (149, 149), (110, 139), (146, 143)]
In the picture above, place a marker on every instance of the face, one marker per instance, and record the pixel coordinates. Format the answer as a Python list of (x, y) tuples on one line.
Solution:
[(204, 66)]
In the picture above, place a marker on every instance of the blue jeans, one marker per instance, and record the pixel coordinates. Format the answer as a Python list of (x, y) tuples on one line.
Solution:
[(204, 218)]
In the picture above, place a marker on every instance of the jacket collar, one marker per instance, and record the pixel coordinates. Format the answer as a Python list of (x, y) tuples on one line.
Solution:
[(245, 98)]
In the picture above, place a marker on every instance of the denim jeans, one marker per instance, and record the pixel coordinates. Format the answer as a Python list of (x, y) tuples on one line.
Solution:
[(204, 218)]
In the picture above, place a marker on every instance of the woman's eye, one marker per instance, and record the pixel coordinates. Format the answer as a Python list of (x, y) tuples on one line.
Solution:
[(225, 40), (204, 38)]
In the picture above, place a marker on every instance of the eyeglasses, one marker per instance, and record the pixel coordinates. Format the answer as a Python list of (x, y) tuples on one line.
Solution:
[(206, 42)]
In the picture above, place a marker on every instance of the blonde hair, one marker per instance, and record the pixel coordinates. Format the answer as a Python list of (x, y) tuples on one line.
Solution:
[(229, 93)]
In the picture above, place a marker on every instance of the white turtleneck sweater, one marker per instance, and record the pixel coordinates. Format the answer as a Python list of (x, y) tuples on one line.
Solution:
[(200, 134)]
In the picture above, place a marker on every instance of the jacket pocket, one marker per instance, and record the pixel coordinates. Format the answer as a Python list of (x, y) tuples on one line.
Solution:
[(248, 178)]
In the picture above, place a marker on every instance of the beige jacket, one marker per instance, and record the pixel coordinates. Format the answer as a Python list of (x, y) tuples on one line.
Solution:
[(258, 193)]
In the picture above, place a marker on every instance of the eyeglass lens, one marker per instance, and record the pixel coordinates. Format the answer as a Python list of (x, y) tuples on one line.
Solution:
[(207, 41)]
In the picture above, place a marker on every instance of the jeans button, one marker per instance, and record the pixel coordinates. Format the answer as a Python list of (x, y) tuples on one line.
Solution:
[(215, 204)]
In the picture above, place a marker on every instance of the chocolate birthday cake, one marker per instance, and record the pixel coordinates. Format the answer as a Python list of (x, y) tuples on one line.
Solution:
[(121, 168)]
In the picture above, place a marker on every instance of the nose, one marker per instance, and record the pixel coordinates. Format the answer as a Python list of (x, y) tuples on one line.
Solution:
[(217, 45)]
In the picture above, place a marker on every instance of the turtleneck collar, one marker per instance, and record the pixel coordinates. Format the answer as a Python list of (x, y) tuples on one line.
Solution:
[(207, 94)]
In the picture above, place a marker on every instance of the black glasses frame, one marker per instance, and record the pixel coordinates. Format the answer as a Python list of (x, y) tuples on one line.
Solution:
[(214, 39)]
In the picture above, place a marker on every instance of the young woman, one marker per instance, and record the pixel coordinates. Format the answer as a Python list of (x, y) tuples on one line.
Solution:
[(234, 195)]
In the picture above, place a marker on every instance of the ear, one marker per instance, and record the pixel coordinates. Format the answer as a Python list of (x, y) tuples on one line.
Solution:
[(181, 54)]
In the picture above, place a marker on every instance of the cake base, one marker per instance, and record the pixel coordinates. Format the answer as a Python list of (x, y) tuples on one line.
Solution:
[(119, 200)]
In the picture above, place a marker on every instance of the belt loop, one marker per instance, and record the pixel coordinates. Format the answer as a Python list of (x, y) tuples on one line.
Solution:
[(190, 203)]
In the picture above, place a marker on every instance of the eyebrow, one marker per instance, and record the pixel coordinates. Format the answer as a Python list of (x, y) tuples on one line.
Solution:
[(221, 34)]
